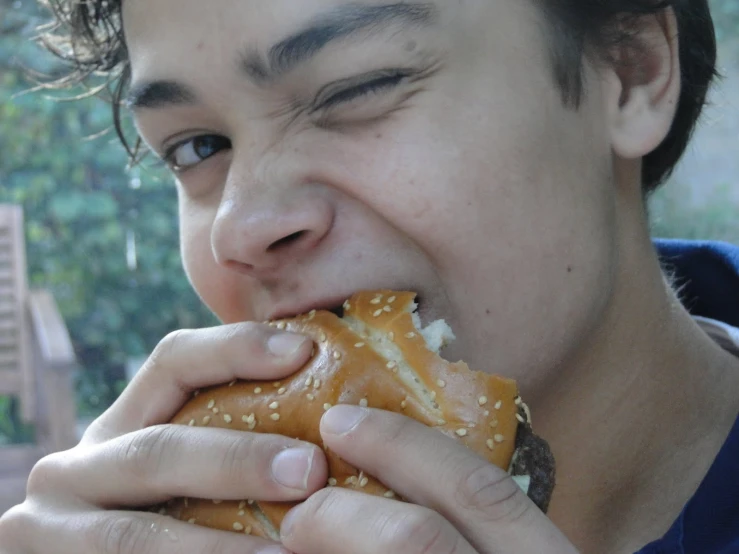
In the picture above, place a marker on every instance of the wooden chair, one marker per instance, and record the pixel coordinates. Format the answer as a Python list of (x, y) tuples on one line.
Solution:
[(37, 362)]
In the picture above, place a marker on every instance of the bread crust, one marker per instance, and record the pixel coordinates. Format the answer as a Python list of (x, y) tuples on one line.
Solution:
[(374, 356)]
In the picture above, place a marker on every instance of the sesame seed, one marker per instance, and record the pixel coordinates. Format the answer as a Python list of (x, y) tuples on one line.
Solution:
[(281, 325), (242, 504), (391, 300), (520, 418), (332, 482), (391, 365), (376, 301), (347, 306), (206, 420), (403, 404), (232, 383), (389, 494), (238, 526), (191, 423), (191, 520), (216, 410), (441, 422), (441, 383), (378, 313), (461, 432), (498, 405), (317, 384), (359, 345), (337, 355), (363, 403), (486, 413), (196, 393), (258, 390), (282, 390), (247, 531), (490, 443), (242, 512), (250, 502), (326, 407), (186, 502), (309, 381), (211, 404), (227, 418), (312, 314), (275, 417), (387, 309), (433, 395), (277, 384), (322, 337), (518, 400), (395, 370), (217, 501), (162, 511), (351, 480), (410, 335), (363, 482), (274, 405), (482, 400), (310, 397), (499, 438), (494, 423)]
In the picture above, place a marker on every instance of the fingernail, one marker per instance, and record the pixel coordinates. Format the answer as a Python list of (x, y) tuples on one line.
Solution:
[(285, 345), (342, 419), (291, 468)]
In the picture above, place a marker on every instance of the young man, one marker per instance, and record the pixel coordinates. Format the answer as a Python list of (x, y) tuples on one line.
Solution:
[(491, 155)]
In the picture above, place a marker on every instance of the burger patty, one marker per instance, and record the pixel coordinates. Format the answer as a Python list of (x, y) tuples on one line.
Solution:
[(534, 459)]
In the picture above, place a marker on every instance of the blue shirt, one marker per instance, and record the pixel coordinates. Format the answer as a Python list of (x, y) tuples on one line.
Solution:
[(708, 273)]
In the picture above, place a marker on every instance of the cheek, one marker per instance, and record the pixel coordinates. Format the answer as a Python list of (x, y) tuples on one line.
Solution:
[(515, 217), (217, 287)]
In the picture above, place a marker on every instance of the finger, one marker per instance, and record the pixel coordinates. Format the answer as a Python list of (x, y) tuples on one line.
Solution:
[(172, 461), (191, 359), (430, 469), (336, 521), (117, 532)]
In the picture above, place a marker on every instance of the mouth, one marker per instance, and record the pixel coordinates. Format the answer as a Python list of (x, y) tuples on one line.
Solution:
[(334, 306)]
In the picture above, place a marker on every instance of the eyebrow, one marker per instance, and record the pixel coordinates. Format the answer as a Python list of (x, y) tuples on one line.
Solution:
[(340, 23)]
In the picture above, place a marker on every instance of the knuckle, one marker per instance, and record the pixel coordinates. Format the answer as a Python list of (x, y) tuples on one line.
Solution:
[(321, 507), (15, 524), (239, 459), (487, 489), (44, 474), (146, 452), (166, 347), (424, 531), (123, 534)]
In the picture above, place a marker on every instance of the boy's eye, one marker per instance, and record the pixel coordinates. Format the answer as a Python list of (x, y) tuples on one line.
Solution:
[(191, 152), (352, 89)]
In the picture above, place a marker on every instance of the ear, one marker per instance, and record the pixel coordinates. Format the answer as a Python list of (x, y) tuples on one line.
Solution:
[(643, 86)]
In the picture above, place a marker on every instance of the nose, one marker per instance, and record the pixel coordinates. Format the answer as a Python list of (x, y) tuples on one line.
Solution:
[(265, 235)]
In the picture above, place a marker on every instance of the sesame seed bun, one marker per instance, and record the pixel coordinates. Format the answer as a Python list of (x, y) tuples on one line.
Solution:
[(377, 355)]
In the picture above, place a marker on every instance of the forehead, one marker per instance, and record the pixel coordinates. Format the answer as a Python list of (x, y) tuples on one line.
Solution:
[(269, 36)]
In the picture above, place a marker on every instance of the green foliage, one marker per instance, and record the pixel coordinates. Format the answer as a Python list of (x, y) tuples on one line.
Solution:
[(84, 211), (674, 214)]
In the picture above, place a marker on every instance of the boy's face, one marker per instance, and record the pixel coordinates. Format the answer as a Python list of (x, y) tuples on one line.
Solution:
[(410, 146)]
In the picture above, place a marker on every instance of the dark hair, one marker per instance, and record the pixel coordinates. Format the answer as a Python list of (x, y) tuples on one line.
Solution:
[(88, 34)]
